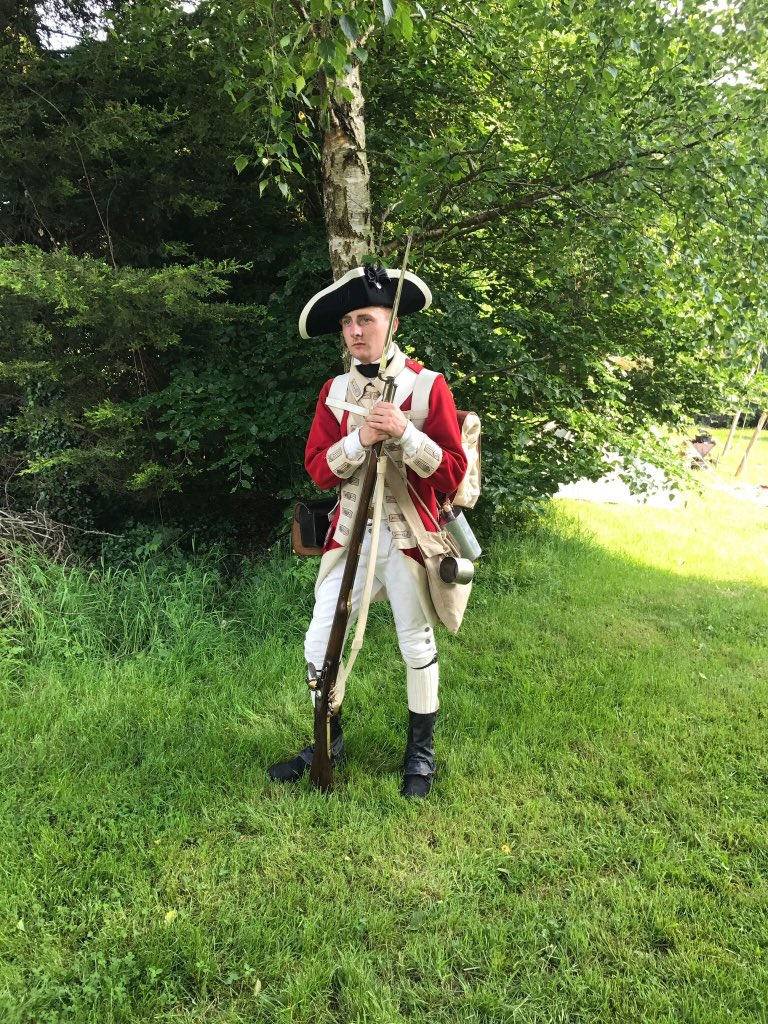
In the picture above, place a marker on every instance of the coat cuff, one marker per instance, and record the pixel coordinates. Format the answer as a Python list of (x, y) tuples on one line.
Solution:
[(339, 463), (353, 447), (420, 452)]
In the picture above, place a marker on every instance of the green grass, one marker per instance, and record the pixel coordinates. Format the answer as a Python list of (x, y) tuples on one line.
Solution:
[(594, 849)]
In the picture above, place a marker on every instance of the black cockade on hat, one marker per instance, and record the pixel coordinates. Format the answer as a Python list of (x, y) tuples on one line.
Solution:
[(375, 275)]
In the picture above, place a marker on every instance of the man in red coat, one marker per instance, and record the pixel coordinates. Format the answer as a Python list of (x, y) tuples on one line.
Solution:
[(422, 440)]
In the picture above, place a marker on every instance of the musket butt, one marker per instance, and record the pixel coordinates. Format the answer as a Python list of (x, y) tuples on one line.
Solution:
[(322, 780)]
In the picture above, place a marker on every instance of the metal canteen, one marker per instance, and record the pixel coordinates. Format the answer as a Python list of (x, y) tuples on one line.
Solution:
[(457, 526), (456, 570)]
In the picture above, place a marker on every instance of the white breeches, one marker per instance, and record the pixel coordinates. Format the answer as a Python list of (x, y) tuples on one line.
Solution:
[(415, 635)]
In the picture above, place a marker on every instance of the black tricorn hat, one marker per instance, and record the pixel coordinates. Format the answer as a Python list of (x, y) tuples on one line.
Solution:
[(358, 288)]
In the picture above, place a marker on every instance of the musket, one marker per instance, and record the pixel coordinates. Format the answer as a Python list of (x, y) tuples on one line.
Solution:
[(324, 682)]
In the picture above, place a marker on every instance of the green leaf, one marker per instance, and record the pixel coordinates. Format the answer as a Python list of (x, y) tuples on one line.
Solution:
[(283, 188), (361, 54), (245, 101), (389, 10), (348, 27), (327, 50), (339, 58), (262, 185), (299, 84), (405, 21), (241, 163)]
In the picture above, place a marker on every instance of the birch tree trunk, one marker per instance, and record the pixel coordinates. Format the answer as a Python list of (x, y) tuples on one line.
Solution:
[(347, 180)]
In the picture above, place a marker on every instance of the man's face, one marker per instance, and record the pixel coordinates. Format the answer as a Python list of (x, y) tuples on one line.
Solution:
[(365, 331)]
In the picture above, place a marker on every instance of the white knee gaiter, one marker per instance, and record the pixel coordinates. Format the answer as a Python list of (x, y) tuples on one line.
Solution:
[(422, 689)]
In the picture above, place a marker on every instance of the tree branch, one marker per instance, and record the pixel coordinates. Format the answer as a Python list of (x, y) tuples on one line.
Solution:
[(61, 113), (476, 221), (466, 35), (301, 10)]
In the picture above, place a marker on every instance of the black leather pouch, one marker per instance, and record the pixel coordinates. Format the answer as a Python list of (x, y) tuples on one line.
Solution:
[(309, 526)]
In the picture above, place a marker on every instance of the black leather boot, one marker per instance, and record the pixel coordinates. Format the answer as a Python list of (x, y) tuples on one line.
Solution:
[(292, 771), (419, 764)]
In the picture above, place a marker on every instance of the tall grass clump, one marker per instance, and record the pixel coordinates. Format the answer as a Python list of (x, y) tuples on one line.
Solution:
[(188, 610)]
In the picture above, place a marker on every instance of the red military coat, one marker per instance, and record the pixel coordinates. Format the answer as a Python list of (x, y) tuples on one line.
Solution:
[(431, 479)]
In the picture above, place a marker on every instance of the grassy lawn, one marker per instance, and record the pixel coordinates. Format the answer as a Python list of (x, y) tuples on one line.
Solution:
[(594, 849)]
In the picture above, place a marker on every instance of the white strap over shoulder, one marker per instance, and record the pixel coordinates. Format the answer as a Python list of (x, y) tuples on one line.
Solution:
[(422, 389), (337, 394), (405, 383)]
